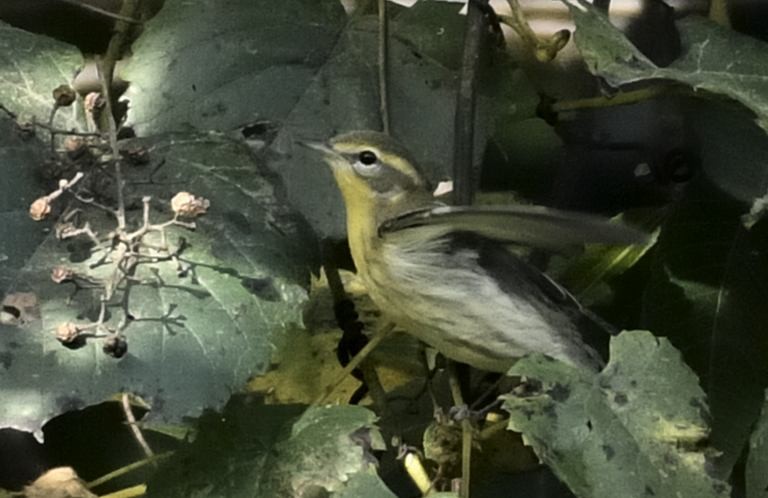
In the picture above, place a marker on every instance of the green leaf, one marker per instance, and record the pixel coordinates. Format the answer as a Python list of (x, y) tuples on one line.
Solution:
[(587, 274), (714, 58), (638, 428), (31, 67), (192, 338), (707, 294), (311, 73), (218, 65), (19, 158), (757, 461), (254, 450)]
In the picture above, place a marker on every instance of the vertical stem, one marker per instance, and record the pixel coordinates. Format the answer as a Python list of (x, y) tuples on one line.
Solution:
[(718, 12), (126, 402), (466, 430), (105, 75), (117, 45), (384, 66), (464, 124)]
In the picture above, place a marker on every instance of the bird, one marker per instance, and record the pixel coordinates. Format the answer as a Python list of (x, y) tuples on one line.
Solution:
[(446, 273)]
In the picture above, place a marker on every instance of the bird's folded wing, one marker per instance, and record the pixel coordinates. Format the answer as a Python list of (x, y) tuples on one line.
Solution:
[(533, 226)]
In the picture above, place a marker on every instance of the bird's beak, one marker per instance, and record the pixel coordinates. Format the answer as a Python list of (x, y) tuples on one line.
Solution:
[(332, 158), (317, 146)]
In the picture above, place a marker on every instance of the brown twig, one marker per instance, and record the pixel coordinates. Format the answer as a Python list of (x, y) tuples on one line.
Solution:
[(384, 66), (466, 430), (106, 67), (128, 468), (464, 124), (137, 434), (102, 12)]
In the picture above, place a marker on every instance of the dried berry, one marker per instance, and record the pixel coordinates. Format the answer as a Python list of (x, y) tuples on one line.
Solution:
[(61, 274), (64, 95), (40, 209), (187, 205), (136, 155), (75, 147), (115, 346), (67, 332), (94, 101)]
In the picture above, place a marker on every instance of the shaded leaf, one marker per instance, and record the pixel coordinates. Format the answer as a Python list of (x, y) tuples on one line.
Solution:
[(19, 158), (707, 293), (218, 65), (31, 66), (587, 274), (714, 58), (757, 461), (193, 338), (256, 450), (311, 73), (643, 416)]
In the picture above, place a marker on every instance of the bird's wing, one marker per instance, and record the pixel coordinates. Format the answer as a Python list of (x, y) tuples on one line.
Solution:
[(532, 226)]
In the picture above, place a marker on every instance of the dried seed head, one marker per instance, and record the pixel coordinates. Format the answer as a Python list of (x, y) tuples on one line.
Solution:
[(136, 155), (67, 332), (75, 147), (64, 95), (93, 101), (187, 205), (61, 274), (115, 346), (40, 209)]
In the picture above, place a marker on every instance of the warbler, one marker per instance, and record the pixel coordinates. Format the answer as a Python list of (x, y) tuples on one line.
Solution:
[(446, 274)]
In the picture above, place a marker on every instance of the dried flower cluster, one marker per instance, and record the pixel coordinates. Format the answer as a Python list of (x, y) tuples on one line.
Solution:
[(186, 205), (124, 246)]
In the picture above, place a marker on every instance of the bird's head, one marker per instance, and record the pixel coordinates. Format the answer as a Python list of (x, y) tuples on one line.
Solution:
[(373, 170)]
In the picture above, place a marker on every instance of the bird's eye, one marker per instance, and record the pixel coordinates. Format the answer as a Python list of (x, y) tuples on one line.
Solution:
[(367, 158)]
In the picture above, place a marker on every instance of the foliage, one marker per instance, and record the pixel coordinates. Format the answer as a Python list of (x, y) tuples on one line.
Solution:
[(643, 416), (713, 58), (257, 450), (757, 481), (219, 93)]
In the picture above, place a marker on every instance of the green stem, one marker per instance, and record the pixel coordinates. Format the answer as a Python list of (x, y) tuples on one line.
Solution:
[(466, 431), (620, 98), (718, 12), (384, 66), (128, 468)]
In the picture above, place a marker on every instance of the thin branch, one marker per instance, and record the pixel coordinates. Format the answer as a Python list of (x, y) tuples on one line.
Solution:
[(384, 66), (106, 66), (137, 434), (102, 12), (106, 81), (132, 492), (375, 340), (128, 468), (620, 98), (464, 125)]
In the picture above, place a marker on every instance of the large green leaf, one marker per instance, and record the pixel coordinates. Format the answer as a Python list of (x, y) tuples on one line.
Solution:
[(707, 294), (636, 429), (193, 338), (219, 65), (714, 58), (311, 73), (31, 67), (258, 451), (757, 461), (19, 158)]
